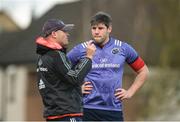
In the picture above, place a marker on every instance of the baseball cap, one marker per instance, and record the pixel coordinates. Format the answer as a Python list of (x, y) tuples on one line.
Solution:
[(54, 25)]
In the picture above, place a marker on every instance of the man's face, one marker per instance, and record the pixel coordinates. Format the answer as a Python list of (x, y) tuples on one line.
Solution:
[(100, 33), (62, 38)]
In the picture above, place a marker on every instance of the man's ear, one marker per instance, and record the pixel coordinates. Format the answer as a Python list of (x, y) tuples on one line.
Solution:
[(109, 29), (53, 34)]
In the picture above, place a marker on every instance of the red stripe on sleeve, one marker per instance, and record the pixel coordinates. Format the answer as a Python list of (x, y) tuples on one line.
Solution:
[(137, 64)]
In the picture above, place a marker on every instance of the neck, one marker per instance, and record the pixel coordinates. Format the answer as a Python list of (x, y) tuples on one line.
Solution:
[(50, 39)]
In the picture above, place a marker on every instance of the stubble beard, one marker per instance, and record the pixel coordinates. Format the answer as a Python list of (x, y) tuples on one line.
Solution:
[(99, 41)]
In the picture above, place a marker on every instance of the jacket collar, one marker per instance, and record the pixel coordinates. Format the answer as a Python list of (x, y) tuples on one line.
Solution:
[(48, 43)]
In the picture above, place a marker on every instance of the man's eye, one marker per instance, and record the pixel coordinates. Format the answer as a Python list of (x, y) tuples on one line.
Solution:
[(100, 28), (94, 28)]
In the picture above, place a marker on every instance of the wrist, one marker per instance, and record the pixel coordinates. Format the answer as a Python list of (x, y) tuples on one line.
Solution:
[(130, 93), (90, 57)]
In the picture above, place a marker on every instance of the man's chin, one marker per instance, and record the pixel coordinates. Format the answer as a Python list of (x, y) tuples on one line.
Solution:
[(64, 45), (98, 40)]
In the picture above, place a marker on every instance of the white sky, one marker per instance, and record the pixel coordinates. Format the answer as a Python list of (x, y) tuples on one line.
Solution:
[(21, 10)]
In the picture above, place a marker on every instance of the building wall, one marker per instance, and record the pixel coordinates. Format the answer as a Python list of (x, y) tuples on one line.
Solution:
[(13, 87), (19, 96), (34, 106), (1, 93)]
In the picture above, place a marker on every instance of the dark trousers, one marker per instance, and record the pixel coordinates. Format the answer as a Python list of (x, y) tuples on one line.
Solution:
[(66, 119), (102, 115)]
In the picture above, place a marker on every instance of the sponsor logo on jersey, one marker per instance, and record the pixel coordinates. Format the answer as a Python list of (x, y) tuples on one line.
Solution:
[(103, 60), (104, 65), (42, 69)]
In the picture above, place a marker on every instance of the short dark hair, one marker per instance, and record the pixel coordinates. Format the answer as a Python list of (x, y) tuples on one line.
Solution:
[(101, 17)]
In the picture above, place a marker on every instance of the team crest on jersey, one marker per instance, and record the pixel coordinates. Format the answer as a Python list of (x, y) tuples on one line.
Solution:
[(115, 50)]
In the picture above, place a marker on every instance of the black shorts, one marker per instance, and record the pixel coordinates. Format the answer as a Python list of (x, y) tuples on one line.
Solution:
[(102, 115)]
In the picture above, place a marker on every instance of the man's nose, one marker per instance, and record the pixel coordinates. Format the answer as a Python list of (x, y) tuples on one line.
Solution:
[(97, 31)]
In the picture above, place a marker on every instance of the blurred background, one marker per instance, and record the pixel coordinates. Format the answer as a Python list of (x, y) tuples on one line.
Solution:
[(152, 27)]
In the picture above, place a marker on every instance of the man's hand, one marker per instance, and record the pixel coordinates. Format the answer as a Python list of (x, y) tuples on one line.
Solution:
[(90, 50), (122, 94), (87, 87)]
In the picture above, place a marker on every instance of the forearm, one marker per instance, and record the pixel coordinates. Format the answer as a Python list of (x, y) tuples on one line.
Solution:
[(68, 73), (139, 80)]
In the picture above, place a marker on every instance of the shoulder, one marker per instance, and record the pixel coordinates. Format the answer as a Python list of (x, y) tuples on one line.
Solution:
[(123, 45), (120, 43), (116, 42), (84, 44), (52, 53), (55, 54), (126, 46), (48, 57), (81, 47)]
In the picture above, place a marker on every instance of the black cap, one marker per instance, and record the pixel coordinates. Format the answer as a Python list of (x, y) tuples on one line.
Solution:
[(54, 25)]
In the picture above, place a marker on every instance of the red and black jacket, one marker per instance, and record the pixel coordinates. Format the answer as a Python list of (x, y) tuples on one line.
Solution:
[(59, 83)]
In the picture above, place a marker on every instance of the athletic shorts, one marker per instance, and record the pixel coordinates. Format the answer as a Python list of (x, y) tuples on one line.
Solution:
[(102, 115)]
